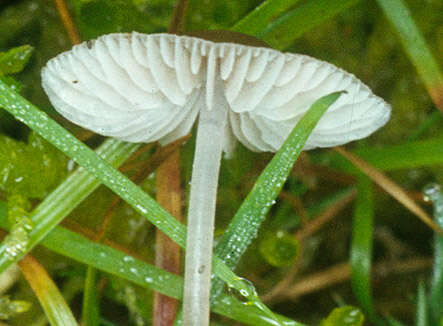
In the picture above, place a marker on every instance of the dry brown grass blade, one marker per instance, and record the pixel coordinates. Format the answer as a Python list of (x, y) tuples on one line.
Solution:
[(167, 252), (169, 195), (177, 25), (67, 21), (316, 224), (390, 187), (342, 272), (155, 160), (51, 300)]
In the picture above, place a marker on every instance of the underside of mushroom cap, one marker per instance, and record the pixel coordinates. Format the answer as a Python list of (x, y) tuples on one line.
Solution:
[(144, 88)]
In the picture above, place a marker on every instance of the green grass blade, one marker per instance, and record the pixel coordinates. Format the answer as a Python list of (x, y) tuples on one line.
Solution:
[(361, 247), (15, 59), (107, 259), (260, 17), (434, 193), (282, 32), (52, 301), (410, 155), (421, 314), (90, 307), (66, 197), (246, 222), (37, 120), (405, 156), (115, 262), (416, 47), (249, 314)]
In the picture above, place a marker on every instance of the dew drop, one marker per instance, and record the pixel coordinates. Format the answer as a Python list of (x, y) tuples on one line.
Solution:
[(141, 208)]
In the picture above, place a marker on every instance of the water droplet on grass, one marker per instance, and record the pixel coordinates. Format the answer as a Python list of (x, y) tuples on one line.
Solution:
[(245, 292)]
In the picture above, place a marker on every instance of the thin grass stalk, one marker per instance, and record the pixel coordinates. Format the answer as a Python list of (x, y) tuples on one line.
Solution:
[(416, 47)]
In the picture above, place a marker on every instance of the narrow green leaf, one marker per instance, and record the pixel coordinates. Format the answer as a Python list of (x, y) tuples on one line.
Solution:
[(260, 17), (421, 314), (65, 198), (361, 247), (52, 301), (11, 82), (434, 193), (107, 259), (282, 32), (416, 47), (15, 59), (246, 222), (405, 156), (90, 308)]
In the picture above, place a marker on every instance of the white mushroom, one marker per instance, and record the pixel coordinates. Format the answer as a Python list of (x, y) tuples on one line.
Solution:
[(145, 88)]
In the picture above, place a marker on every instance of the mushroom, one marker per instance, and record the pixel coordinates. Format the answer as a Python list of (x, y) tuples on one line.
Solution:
[(146, 88)]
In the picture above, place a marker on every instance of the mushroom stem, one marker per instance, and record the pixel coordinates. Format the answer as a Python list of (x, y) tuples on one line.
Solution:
[(199, 240)]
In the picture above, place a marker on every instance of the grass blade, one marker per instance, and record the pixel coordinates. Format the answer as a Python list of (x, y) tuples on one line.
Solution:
[(66, 197), (416, 47), (411, 155), (421, 314), (260, 17), (90, 307), (65, 16), (391, 188), (433, 193), (361, 247), (56, 309), (167, 253), (246, 222), (282, 32)]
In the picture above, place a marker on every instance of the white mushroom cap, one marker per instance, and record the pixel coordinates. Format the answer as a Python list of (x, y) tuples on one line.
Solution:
[(144, 88)]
